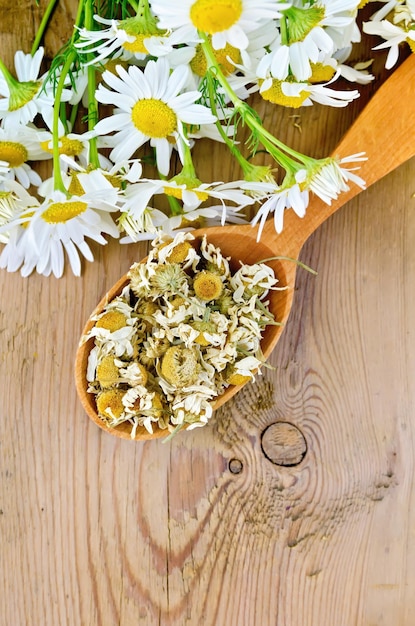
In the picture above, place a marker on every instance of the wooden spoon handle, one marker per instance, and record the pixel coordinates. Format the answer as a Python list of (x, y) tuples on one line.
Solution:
[(385, 131)]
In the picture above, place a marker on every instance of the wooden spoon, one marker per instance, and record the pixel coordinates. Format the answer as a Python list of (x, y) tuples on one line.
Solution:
[(384, 130)]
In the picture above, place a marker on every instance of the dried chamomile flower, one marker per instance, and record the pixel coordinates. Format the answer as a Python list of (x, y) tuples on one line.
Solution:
[(153, 348), (233, 377), (140, 275), (145, 310), (207, 286), (133, 373), (178, 250), (110, 404), (206, 330), (181, 331), (107, 372), (215, 262), (252, 280), (169, 280), (112, 321), (179, 366), (114, 330)]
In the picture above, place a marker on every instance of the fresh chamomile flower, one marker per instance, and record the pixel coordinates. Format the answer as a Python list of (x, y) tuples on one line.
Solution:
[(330, 177), (191, 192), (297, 94), (61, 224), (11, 205), (327, 67), (202, 216), (14, 229), (75, 149), (226, 21), (142, 227), (27, 96), (304, 36), (393, 35), (283, 198), (18, 146), (151, 108), (129, 35)]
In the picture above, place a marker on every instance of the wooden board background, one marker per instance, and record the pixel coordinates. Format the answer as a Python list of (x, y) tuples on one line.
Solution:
[(207, 530)]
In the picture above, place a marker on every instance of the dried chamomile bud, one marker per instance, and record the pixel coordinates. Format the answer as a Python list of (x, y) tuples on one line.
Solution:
[(107, 372), (233, 377), (204, 328), (207, 286), (179, 366), (179, 253), (112, 320), (109, 403)]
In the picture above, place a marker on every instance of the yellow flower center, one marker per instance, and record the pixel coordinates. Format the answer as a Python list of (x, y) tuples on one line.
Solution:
[(112, 321), (154, 118), (15, 154), (137, 45), (214, 16), (116, 181), (411, 43), (177, 192), (59, 212), (109, 403), (207, 286), (75, 188), (179, 252), (179, 366), (107, 372), (70, 147), (27, 216), (191, 182), (199, 63), (141, 26), (275, 95), (321, 73), (233, 378)]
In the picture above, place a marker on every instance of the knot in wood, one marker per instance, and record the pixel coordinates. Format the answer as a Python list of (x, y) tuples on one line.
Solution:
[(283, 444), (235, 466)]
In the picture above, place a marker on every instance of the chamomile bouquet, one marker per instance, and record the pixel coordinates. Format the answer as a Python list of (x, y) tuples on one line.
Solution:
[(141, 82)]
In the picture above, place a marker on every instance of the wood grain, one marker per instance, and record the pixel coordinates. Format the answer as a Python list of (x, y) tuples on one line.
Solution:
[(100, 531)]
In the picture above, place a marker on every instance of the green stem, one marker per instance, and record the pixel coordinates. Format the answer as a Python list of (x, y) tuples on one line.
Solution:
[(288, 258), (230, 144), (72, 118), (71, 57), (43, 25), (174, 205), (10, 80), (188, 165), (57, 175), (172, 434), (92, 101), (133, 4), (284, 31), (277, 149), (143, 10)]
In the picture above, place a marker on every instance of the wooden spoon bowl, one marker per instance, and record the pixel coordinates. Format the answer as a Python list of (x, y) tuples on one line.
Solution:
[(384, 130)]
